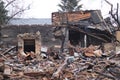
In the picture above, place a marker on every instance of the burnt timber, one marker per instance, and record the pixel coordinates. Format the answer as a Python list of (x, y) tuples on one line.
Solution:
[(84, 28)]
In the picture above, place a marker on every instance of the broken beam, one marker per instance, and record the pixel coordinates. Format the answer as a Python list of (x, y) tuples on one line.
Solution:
[(80, 30)]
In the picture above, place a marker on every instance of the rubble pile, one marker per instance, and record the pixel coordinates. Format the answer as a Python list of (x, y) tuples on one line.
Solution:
[(80, 64)]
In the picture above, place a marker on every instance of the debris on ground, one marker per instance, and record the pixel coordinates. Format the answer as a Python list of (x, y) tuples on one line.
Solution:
[(86, 64)]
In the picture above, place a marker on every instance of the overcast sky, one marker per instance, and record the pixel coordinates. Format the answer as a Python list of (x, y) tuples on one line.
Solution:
[(44, 8)]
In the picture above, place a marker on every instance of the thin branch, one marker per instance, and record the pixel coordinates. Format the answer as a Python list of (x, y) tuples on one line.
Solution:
[(9, 3), (16, 14), (114, 16), (109, 3)]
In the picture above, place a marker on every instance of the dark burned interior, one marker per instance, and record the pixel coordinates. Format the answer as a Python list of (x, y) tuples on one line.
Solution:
[(88, 36), (87, 30), (84, 36), (29, 45)]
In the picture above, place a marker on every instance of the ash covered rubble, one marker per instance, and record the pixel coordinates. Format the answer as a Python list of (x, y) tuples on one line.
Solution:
[(85, 55)]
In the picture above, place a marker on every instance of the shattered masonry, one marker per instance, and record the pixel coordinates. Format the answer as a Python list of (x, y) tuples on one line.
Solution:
[(77, 46)]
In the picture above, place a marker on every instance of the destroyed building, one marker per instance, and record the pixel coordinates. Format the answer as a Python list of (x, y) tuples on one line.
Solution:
[(84, 28)]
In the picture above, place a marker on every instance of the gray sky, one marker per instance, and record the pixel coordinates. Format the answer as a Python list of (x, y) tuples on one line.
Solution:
[(44, 8)]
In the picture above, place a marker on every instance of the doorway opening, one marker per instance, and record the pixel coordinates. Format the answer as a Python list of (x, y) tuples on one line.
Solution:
[(29, 45)]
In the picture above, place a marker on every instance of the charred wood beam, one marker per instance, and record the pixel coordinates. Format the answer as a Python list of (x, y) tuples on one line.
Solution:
[(60, 68), (4, 57), (82, 31), (103, 74), (108, 28), (108, 37), (114, 72), (80, 69), (64, 40), (8, 50)]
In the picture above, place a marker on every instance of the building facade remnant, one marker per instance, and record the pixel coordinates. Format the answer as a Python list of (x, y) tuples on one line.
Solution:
[(30, 42)]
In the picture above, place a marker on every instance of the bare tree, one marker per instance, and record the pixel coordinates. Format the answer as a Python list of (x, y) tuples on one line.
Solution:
[(114, 14), (16, 7)]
